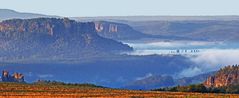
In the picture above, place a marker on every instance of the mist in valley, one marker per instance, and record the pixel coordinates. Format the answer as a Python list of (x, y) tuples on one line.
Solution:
[(206, 56)]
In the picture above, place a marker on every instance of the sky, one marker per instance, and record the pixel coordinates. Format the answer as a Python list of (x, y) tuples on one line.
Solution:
[(86, 8)]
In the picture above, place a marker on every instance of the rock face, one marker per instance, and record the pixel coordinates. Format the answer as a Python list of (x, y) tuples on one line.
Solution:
[(45, 26), (117, 31), (224, 77), (52, 37), (16, 77)]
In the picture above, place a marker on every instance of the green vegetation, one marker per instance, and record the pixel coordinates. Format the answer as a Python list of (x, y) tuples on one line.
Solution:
[(200, 88), (48, 82)]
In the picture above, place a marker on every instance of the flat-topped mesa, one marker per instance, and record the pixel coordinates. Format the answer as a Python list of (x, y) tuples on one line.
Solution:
[(61, 36), (224, 77), (46, 25), (16, 77)]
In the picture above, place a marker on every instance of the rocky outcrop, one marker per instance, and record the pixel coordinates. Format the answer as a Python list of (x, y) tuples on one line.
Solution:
[(224, 77), (16, 77), (113, 28), (117, 31), (106, 27)]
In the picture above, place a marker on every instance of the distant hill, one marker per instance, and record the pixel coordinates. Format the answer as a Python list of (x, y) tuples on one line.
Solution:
[(11, 14), (122, 31), (156, 18), (151, 82), (159, 81), (51, 37), (206, 28), (194, 80)]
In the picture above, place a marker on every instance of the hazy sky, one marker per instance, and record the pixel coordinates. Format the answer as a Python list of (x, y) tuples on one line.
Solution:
[(124, 7)]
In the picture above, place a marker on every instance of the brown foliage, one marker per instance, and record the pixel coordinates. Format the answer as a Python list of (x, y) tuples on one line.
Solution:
[(13, 90)]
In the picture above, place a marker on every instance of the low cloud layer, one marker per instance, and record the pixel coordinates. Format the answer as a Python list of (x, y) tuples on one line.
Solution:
[(45, 76), (173, 45), (217, 57), (164, 48), (214, 58), (210, 58), (144, 77)]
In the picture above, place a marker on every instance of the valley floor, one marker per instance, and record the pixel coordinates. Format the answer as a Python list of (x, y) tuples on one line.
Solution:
[(14, 90)]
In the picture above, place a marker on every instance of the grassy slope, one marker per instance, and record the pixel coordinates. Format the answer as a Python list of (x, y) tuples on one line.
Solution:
[(13, 90)]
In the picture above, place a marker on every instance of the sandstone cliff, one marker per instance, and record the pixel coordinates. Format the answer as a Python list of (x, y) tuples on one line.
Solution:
[(52, 37), (16, 77), (117, 31), (224, 77)]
